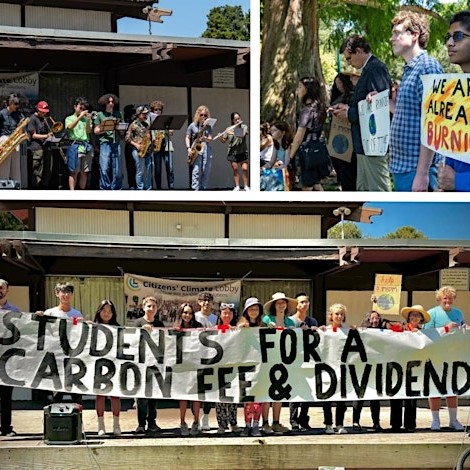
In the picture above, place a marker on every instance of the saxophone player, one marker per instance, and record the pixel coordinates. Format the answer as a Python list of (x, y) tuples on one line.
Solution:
[(9, 120), (40, 148), (80, 152), (138, 135), (163, 154), (200, 134)]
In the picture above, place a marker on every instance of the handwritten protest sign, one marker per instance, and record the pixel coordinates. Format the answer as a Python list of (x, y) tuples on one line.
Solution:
[(374, 121), (340, 140), (235, 365), (445, 115), (387, 291)]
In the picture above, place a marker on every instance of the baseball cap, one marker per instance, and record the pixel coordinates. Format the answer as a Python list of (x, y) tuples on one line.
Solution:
[(141, 109), (43, 107)]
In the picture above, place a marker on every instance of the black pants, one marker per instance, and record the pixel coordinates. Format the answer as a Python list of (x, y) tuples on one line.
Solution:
[(374, 411), (397, 418), (328, 415), (300, 417), (5, 398), (146, 411)]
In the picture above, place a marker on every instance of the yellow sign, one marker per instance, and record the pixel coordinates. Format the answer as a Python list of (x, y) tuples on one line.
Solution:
[(445, 115), (387, 292)]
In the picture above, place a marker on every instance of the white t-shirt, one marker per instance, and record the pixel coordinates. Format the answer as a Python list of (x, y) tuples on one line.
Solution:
[(56, 312), (206, 321)]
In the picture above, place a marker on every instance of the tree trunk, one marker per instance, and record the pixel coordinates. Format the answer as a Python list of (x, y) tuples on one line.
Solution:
[(290, 50)]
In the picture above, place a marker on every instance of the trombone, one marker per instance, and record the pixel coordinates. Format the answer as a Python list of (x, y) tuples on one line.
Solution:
[(56, 125)]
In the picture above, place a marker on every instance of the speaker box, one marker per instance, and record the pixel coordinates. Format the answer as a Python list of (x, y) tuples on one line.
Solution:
[(63, 423)]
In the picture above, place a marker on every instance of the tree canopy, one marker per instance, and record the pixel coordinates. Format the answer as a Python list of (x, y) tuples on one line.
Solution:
[(351, 230), (10, 222), (407, 231), (228, 22)]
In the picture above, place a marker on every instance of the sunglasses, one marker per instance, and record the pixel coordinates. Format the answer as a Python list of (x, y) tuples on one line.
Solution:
[(203, 115), (456, 37), (157, 109), (224, 305)]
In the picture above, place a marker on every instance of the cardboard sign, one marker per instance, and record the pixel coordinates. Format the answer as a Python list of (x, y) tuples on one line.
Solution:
[(455, 277), (387, 290), (374, 120), (445, 114), (340, 140)]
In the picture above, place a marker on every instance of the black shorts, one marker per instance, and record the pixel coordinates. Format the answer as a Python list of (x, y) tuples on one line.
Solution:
[(238, 158)]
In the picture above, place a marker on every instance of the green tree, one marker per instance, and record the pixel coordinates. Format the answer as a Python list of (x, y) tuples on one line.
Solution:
[(10, 222), (406, 231), (228, 22), (351, 230)]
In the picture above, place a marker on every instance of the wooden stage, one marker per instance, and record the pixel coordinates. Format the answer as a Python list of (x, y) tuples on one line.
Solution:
[(210, 451)]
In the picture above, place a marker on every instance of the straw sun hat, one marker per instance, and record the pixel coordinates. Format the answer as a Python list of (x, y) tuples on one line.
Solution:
[(415, 308), (291, 303)]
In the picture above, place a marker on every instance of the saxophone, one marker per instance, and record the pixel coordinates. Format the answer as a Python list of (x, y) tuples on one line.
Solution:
[(15, 139), (198, 146), (144, 145), (157, 143)]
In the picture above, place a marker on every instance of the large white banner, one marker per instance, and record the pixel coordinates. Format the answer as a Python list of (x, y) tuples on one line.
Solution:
[(171, 293), (374, 121), (235, 365), (25, 85)]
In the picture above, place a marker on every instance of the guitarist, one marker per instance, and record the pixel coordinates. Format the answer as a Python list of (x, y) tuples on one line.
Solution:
[(200, 135)]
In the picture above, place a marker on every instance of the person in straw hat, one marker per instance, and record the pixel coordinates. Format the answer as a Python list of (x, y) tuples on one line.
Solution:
[(415, 316), (278, 310)]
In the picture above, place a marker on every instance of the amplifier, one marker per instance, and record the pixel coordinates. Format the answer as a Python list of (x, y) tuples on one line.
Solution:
[(63, 423), (9, 184)]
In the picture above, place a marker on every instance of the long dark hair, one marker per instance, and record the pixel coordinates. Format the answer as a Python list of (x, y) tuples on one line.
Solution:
[(348, 88), (179, 317), (287, 137), (98, 318), (314, 95)]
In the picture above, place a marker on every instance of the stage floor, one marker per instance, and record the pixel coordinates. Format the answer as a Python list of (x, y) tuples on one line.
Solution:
[(211, 451)]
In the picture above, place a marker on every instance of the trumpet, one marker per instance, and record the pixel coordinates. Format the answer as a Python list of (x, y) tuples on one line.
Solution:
[(56, 126), (92, 115)]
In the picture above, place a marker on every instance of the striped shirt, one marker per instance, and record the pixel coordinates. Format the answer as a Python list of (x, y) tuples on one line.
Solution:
[(405, 131)]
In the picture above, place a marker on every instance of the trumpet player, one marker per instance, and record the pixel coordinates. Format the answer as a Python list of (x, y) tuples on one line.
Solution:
[(110, 143), (40, 148), (198, 133), (165, 152), (80, 152), (237, 150), (9, 120), (138, 135)]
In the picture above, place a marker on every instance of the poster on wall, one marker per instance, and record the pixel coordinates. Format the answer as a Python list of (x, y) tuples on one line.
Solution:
[(170, 294), (25, 85), (387, 291)]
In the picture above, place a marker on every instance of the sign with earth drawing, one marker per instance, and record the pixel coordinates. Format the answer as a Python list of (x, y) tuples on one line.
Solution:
[(387, 292), (340, 140)]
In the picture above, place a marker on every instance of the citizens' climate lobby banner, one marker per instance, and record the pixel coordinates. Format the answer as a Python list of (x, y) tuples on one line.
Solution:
[(170, 294), (22, 84), (374, 121), (445, 115), (232, 365)]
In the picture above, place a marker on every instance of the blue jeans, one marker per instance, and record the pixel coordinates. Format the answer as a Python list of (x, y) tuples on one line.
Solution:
[(404, 181), (110, 166), (201, 170), (143, 170), (167, 159)]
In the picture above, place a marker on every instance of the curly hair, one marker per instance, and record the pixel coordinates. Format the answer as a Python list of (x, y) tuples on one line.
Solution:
[(105, 98), (199, 111), (414, 23)]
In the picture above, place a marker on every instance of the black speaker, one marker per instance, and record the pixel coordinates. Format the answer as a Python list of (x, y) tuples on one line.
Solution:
[(63, 423)]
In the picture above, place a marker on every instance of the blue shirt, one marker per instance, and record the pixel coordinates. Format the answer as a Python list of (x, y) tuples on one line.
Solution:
[(8, 306), (462, 174), (440, 318), (267, 319), (405, 130)]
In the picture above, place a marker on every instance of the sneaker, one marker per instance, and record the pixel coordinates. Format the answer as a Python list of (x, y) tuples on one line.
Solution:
[(329, 429), (456, 425), (140, 430), (153, 428), (194, 429), (357, 427), (236, 188), (246, 188), (9, 433), (255, 432), (267, 429), (184, 430), (205, 423), (295, 426), (377, 428), (279, 428), (221, 430), (341, 430), (435, 425), (246, 431), (235, 428)]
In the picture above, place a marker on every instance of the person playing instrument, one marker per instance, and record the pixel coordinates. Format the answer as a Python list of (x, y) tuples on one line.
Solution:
[(40, 148), (9, 120), (237, 150), (110, 144), (138, 135), (200, 134), (80, 153), (164, 152)]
